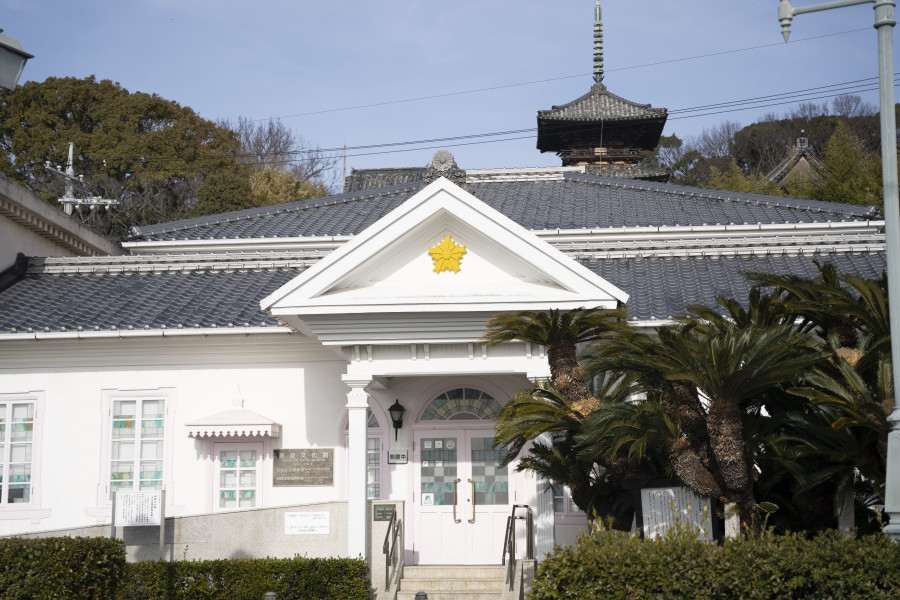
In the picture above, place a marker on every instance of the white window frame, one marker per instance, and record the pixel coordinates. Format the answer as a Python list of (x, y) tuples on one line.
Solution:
[(30, 510), (371, 432), (570, 513), (108, 399), (259, 487)]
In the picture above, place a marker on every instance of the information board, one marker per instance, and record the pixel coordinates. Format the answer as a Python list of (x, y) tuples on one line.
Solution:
[(137, 509), (303, 467), (383, 512), (307, 523), (662, 507)]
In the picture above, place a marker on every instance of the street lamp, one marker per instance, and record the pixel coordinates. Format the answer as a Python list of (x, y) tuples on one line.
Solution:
[(884, 23), (12, 61)]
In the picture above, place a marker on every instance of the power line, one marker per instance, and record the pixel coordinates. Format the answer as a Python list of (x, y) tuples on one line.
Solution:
[(805, 94), (538, 81)]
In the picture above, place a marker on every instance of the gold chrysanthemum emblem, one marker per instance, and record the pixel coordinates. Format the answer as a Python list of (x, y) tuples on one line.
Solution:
[(447, 255)]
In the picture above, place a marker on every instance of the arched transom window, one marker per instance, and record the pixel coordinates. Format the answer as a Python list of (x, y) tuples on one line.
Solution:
[(467, 404)]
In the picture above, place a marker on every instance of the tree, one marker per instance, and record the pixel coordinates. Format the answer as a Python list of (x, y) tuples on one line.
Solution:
[(546, 417), (129, 146), (736, 180), (849, 172), (160, 160), (270, 146), (559, 331), (706, 375)]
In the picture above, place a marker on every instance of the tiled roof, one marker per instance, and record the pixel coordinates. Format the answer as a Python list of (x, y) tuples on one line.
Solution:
[(330, 215), (662, 287), (629, 172), (601, 105), (570, 201), (106, 300), (367, 179), (102, 298)]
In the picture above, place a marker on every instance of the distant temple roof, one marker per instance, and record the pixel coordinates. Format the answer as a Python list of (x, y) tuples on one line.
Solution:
[(799, 165), (599, 120)]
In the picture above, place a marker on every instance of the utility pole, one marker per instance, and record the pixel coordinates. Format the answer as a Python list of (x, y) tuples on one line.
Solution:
[(69, 200)]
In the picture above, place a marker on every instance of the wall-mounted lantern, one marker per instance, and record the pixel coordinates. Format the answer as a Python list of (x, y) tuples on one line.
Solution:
[(396, 411)]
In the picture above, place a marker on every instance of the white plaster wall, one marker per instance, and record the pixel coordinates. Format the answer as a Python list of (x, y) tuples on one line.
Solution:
[(284, 377), (14, 238)]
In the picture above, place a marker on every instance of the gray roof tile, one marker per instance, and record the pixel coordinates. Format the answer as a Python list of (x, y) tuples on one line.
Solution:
[(105, 301), (661, 287), (578, 201), (602, 105)]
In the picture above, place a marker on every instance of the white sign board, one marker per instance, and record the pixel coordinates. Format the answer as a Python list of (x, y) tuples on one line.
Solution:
[(307, 523), (136, 509), (662, 507)]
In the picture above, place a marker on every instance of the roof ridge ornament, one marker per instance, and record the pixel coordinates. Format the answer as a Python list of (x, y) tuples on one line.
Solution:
[(598, 49), (444, 165)]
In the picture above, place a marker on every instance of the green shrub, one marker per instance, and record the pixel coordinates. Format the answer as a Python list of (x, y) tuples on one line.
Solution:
[(248, 579), (60, 567), (615, 566)]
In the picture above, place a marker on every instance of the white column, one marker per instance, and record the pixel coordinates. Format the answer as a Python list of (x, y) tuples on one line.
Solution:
[(357, 511)]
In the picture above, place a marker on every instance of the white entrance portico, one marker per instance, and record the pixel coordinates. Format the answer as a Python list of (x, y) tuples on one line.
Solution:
[(405, 303)]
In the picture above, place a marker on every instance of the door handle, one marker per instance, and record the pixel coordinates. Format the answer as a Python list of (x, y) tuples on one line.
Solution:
[(455, 481), (472, 481)]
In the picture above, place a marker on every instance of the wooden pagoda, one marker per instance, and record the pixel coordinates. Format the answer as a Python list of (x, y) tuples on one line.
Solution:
[(601, 130)]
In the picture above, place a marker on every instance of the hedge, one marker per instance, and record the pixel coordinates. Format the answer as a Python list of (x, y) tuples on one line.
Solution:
[(61, 567), (248, 579), (95, 569), (616, 566)]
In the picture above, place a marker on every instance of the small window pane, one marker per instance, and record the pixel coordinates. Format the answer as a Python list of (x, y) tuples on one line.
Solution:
[(20, 453), (228, 458), (19, 494), (227, 499), (228, 479), (122, 471), (152, 449), (123, 450), (248, 458)]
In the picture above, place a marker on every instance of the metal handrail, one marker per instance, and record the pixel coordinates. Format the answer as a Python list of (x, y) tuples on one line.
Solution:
[(389, 549), (509, 541)]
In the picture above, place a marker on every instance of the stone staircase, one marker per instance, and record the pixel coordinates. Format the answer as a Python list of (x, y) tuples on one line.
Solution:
[(452, 582)]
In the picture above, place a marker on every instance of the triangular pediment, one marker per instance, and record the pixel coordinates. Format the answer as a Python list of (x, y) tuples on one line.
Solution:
[(388, 269)]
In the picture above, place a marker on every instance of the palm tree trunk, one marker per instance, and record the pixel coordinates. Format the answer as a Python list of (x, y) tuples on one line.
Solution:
[(566, 375), (726, 437)]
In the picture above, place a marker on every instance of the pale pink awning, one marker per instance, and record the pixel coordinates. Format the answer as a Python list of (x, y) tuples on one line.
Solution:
[(235, 422)]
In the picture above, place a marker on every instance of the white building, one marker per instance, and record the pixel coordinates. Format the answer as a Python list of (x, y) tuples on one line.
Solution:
[(224, 348)]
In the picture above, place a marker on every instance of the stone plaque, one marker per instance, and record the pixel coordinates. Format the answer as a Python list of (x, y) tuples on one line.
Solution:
[(383, 512), (307, 523), (303, 467), (662, 507), (137, 509)]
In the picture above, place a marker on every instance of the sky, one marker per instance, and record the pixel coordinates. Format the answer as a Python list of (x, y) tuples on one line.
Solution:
[(385, 72)]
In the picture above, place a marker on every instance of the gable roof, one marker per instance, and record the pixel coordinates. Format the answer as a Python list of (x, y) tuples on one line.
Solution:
[(568, 200), (386, 270)]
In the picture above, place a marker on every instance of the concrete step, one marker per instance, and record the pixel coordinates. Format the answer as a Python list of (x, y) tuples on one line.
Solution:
[(453, 571), (452, 595), (450, 585), (452, 582)]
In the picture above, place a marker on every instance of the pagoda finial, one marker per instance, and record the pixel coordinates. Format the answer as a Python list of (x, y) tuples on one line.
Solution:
[(598, 45)]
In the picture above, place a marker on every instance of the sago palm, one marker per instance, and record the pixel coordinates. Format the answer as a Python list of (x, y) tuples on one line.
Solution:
[(560, 332)]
